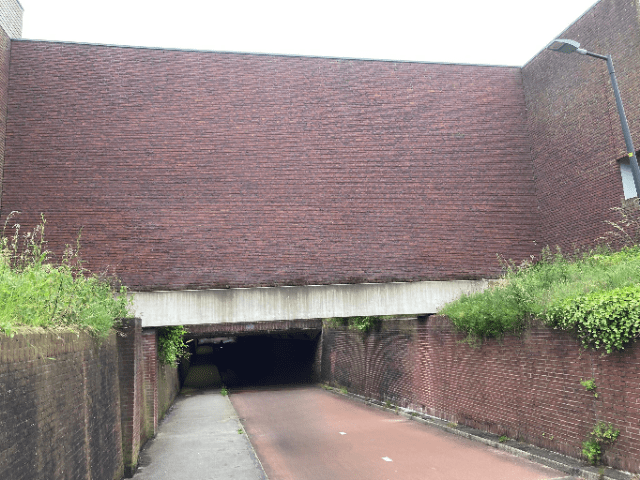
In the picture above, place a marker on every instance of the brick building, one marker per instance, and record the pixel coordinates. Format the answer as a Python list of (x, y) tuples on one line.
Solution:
[(206, 170)]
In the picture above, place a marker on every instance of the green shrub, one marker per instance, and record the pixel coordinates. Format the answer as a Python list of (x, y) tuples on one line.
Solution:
[(36, 292), (171, 345), (602, 434), (362, 324), (491, 313), (591, 450), (595, 294), (602, 319)]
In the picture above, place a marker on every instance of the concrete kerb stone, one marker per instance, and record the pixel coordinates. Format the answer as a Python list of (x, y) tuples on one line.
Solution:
[(575, 468)]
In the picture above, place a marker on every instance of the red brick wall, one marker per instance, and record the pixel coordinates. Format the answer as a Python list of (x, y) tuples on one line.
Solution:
[(160, 385), (5, 48), (527, 388), (150, 366), (59, 408), (574, 124), (195, 169), (168, 387), (72, 407), (131, 374)]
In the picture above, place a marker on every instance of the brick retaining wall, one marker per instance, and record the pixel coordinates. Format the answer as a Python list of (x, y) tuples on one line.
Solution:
[(72, 407), (59, 408), (526, 388)]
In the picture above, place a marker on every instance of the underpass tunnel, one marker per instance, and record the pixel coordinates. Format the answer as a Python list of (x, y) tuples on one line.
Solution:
[(247, 360)]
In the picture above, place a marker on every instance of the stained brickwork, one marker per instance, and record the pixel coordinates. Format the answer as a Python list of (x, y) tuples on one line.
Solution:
[(527, 388), (195, 169), (574, 124), (59, 408)]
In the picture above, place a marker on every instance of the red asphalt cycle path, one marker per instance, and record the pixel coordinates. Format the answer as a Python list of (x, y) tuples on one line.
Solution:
[(307, 433)]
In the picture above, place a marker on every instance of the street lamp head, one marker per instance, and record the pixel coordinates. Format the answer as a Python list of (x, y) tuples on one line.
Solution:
[(565, 46)]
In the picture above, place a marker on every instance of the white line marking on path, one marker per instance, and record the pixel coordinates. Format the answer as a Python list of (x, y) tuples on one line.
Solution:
[(387, 459), (343, 433)]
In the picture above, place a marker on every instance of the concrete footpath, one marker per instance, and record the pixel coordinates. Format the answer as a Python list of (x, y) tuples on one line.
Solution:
[(200, 439)]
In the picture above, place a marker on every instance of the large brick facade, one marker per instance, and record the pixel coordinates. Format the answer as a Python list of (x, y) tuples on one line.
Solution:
[(194, 169), (574, 125), (527, 388), (189, 169)]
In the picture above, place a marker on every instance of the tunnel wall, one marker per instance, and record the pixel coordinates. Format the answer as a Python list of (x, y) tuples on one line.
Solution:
[(526, 388), (168, 388), (575, 129)]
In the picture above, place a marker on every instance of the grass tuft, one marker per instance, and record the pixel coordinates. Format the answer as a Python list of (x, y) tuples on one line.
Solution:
[(36, 292)]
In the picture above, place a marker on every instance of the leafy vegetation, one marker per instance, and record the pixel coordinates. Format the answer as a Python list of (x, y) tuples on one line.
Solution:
[(602, 434), (362, 324), (36, 292), (601, 319), (171, 345), (590, 386), (595, 294)]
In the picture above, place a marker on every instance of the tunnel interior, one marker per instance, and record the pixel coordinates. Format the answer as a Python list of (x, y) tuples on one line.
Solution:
[(251, 360)]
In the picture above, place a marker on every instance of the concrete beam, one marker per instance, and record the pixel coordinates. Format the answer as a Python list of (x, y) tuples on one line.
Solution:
[(193, 307)]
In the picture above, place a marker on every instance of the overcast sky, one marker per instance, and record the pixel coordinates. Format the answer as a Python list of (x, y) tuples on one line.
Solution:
[(494, 32)]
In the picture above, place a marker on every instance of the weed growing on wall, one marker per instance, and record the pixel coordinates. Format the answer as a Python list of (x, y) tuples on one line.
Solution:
[(171, 345), (36, 292), (362, 324), (601, 435), (590, 386), (626, 230), (596, 295)]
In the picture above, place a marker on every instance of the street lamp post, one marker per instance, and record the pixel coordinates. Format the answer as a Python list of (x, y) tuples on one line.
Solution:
[(570, 46)]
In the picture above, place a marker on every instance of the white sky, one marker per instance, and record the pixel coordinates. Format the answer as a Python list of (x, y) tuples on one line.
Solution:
[(452, 31)]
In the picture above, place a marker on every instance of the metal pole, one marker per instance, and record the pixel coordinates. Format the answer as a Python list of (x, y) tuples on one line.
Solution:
[(631, 151)]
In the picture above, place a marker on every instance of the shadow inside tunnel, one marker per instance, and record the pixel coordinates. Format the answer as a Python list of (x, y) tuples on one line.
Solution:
[(252, 361)]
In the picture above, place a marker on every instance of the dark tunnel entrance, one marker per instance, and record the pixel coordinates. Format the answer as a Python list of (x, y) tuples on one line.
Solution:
[(251, 360)]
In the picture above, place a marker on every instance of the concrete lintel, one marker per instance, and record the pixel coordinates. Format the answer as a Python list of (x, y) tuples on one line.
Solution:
[(193, 307)]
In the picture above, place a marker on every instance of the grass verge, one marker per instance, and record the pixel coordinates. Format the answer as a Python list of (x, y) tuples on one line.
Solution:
[(36, 292)]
